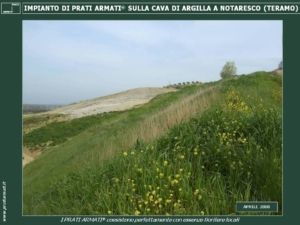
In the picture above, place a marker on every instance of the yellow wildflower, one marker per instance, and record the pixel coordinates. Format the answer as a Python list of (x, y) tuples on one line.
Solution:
[(168, 201)]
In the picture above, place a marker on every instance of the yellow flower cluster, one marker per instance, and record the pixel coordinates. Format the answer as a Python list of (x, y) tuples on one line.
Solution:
[(166, 191), (235, 103)]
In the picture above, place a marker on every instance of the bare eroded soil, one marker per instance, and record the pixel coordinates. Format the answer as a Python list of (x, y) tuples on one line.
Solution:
[(29, 156), (116, 102)]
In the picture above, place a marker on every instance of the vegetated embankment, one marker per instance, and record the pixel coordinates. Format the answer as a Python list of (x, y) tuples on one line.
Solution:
[(195, 151)]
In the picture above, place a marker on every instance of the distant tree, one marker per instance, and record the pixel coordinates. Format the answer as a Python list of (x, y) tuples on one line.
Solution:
[(228, 70), (280, 66)]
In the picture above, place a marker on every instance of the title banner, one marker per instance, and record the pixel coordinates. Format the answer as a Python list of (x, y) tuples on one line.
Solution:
[(149, 8)]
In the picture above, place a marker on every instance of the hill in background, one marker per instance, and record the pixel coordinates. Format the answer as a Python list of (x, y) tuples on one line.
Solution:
[(37, 108)]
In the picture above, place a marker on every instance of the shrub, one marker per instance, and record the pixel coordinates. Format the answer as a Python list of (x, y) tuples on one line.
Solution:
[(229, 70)]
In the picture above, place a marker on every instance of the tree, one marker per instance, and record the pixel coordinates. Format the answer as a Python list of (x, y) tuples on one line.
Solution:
[(229, 70)]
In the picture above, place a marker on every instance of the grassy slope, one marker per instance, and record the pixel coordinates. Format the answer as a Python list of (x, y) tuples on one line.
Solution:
[(112, 133), (208, 181)]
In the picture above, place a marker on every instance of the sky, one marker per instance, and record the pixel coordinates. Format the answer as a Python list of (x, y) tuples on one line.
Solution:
[(69, 61)]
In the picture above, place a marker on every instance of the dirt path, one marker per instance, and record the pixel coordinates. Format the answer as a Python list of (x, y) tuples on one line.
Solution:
[(29, 156)]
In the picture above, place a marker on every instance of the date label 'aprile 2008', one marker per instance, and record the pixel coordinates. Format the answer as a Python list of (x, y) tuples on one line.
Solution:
[(257, 206)]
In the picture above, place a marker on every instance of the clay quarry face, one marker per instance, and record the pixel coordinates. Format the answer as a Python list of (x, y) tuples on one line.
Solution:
[(116, 102)]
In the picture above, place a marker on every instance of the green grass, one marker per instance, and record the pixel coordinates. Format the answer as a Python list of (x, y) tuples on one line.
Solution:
[(102, 141), (202, 165), (32, 121), (58, 132)]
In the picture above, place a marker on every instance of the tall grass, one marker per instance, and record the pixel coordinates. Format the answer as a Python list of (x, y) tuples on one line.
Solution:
[(105, 138), (157, 124), (58, 132), (197, 154), (203, 166)]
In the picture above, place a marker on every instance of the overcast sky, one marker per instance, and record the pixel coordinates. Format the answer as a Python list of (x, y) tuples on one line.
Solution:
[(68, 61)]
